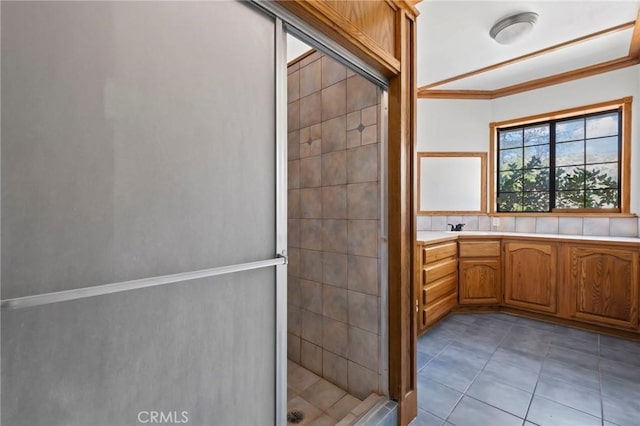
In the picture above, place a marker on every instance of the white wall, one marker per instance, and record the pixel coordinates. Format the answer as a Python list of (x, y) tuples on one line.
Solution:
[(453, 125), (463, 125)]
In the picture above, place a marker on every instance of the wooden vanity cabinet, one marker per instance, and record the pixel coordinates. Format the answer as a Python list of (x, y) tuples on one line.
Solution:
[(603, 283), (479, 272), (438, 282), (530, 275)]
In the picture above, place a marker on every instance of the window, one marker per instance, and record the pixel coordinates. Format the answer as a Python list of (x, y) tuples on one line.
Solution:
[(571, 161)]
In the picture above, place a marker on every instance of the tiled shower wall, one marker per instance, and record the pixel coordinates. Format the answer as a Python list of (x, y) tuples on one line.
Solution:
[(333, 283), (601, 226)]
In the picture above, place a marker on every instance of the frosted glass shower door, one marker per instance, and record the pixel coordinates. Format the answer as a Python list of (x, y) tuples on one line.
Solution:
[(139, 214)]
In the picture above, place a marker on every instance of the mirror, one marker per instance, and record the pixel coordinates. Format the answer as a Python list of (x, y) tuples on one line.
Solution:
[(452, 182)]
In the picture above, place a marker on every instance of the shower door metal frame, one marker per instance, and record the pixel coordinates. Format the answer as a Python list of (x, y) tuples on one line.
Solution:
[(279, 261)]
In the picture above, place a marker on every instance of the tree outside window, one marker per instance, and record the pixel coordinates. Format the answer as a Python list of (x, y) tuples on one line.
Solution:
[(571, 163)]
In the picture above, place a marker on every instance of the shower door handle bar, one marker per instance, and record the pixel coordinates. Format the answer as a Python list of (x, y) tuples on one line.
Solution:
[(82, 293)]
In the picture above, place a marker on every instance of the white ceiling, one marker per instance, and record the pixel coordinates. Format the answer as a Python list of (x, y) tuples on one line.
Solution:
[(453, 39)]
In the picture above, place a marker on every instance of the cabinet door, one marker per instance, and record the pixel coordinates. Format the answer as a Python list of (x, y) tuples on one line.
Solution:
[(604, 285), (479, 281), (530, 275)]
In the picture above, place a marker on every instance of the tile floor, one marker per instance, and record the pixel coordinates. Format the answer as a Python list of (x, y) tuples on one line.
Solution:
[(322, 402), (494, 369)]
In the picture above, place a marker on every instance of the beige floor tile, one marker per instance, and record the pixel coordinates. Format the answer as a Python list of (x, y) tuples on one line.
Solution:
[(300, 379), (323, 394), (291, 393)]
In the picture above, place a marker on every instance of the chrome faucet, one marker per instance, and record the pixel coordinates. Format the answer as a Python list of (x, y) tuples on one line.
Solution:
[(457, 227)]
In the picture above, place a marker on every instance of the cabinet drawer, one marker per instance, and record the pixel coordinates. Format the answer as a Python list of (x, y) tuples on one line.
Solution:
[(438, 289), (434, 272), (479, 248), (432, 254), (439, 309)]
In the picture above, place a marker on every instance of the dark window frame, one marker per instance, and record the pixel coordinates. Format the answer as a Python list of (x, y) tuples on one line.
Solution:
[(621, 106)]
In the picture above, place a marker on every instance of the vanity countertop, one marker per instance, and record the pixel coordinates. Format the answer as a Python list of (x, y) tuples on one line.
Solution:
[(440, 236)]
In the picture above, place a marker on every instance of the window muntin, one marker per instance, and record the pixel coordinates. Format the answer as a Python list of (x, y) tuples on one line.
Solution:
[(565, 164)]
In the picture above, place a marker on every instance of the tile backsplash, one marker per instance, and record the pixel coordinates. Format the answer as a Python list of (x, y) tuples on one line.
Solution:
[(596, 226)]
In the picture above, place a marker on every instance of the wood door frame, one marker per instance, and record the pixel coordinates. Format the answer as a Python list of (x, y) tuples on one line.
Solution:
[(336, 21)]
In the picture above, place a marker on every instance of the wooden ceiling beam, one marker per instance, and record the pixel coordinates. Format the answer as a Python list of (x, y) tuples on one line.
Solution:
[(607, 31), (551, 80), (454, 94), (634, 48)]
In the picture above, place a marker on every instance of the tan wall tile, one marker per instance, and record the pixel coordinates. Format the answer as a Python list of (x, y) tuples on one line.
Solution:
[(370, 115), (293, 348), (315, 131), (311, 203), (334, 302), (293, 86), (334, 202), (310, 172), (334, 134), (332, 71), (294, 261), (293, 203), (311, 296), (363, 311), (293, 174), (311, 234), (334, 235), (362, 200), (334, 269), (311, 327), (334, 101), (293, 232), (310, 110), (294, 320), (293, 290), (311, 357), (354, 120), (361, 380), (335, 336), (293, 146), (361, 93), (293, 116), (310, 79), (363, 348), (362, 164), (334, 168), (354, 138), (370, 135), (363, 237), (311, 265), (363, 274), (334, 368)]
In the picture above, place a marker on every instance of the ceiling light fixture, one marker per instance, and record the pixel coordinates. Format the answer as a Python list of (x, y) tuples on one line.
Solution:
[(514, 27)]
